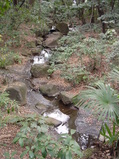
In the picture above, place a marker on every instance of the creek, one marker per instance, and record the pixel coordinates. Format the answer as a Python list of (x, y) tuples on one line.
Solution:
[(87, 128), (69, 116)]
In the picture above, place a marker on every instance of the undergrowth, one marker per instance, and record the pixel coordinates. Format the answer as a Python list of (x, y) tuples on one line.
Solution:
[(76, 44), (33, 136)]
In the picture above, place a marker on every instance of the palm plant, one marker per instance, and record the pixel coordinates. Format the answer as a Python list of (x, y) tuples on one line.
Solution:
[(114, 75), (103, 99)]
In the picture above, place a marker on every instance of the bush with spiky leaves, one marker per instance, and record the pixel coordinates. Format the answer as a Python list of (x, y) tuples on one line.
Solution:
[(102, 99)]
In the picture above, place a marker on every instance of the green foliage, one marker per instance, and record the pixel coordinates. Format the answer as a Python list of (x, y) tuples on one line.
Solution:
[(111, 137), (68, 45), (70, 148), (91, 46), (7, 104), (63, 12), (50, 71), (12, 19), (33, 136), (14, 40), (102, 99), (105, 103), (4, 6), (8, 57), (110, 34), (114, 75), (9, 156), (114, 55), (75, 75)]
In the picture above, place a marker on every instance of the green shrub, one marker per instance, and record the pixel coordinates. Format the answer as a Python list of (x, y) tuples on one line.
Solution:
[(33, 136)]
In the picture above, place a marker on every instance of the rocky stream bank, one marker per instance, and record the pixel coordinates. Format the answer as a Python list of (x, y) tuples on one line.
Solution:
[(30, 84)]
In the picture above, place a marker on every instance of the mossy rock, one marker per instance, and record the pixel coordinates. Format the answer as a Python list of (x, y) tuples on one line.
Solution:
[(63, 28), (41, 107), (52, 121), (52, 40), (36, 51), (18, 91), (49, 90), (38, 70), (66, 98)]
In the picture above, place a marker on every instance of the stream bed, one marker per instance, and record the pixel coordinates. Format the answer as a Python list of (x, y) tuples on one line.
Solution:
[(87, 128), (70, 117)]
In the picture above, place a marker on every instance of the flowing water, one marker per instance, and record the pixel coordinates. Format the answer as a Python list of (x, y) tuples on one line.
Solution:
[(43, 57), (69, 116)]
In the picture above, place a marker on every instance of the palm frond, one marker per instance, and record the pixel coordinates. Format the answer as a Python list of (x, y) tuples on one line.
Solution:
[(103, 100), (114, 75)]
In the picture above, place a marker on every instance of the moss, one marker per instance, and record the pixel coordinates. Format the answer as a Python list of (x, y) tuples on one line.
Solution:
[(87, 153)]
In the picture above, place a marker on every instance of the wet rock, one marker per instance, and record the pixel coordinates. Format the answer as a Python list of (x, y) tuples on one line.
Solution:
[(18, 91), (52, 121), (52, 39), (49, 90), (36, 51), (38, 70), (86, 123), (41, 107), (66, 98), (63, 28), (35, 98)]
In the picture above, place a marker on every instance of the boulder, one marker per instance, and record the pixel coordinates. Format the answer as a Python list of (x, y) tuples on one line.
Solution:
[(41, 107), (49, 90), (66, 98), (18, 91), (52, 39), (38, 70), (88, 124), (36, 51), (52, 121), (63, 28)]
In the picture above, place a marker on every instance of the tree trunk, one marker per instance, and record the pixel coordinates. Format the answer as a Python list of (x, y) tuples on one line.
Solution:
[(82, 16), (101, 12), (14, 2), (22, 3), (81, 11), (112, 3), (92, 20)]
